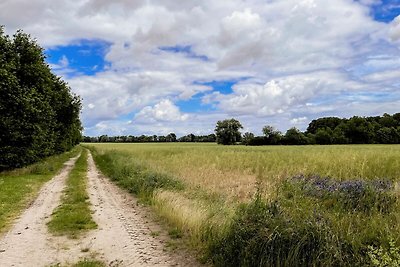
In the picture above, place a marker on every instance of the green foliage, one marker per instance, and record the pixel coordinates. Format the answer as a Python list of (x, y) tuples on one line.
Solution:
[(74, 215), (39, 115), (227, 132), (293, 136), (272, 135), (323, 123), (382, 257), (247, 138)]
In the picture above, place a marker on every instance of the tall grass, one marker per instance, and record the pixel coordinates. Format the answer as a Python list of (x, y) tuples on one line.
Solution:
[(73, 216), (18, 187), (247, 206)]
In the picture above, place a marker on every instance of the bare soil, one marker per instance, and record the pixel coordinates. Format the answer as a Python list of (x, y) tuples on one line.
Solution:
[(126, 234)]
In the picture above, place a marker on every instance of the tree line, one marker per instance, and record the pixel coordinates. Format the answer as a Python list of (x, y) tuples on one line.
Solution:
[(39, 114), (150, 138), (383, 129)]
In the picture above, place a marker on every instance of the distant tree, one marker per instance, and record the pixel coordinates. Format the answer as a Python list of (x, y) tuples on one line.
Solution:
[(103, 138), (323, 123), (211, 138), (324, 136), (388, 135), (272, 135), (247, 137), (387, 121), (359, 130), (227, 131), (339, 136), (294, 136), (171, 137)]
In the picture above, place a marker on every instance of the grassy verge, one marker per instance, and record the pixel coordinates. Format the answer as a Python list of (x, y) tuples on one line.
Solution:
[(18, 187), (312, 222), (74, 215), (342, 211), (133, 176), (193, 214)]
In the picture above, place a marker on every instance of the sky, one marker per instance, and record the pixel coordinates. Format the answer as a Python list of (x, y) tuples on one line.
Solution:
[(161, 66)]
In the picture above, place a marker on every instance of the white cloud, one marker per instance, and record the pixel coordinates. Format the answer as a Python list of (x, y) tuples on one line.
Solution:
[(165, 110), (276, 96), (300, 120), (293, 53), (395, 29)]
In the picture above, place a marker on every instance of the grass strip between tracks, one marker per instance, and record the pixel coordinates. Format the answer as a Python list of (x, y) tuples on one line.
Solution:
[(73, 216)]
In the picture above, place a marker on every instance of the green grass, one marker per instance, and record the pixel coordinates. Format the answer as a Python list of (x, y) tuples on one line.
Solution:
[(87, 262), (20, 186), (73, 216), (242, 205)]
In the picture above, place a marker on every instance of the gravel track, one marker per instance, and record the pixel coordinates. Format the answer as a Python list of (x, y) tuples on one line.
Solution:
[(123, 237)]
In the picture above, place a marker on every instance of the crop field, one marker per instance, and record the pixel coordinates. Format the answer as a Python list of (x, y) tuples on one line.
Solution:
[(314, 205)]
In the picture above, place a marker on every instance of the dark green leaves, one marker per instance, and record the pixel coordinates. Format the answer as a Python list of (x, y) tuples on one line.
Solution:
[(39, 114)]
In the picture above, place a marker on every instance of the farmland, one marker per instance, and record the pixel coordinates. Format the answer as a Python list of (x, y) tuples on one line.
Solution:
[(278, 205)]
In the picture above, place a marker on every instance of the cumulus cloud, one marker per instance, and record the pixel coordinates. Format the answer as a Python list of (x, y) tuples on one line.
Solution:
[(165, 110), (292, 58), (276, 96)]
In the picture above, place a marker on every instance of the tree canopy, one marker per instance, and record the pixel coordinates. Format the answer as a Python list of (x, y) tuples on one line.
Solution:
[(39, 114), (227, 132)]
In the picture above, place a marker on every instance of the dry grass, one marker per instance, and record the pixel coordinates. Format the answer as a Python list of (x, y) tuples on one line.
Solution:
[(233, 171), (217, 180)]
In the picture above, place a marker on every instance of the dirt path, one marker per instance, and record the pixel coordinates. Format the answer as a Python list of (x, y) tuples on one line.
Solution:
[(28, 242), (123, 237)]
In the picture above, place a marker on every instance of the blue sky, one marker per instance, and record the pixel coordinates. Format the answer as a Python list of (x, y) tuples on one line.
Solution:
[(154, 67), (386, 10)]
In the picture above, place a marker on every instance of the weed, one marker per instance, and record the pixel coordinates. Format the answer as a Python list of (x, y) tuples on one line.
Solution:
[(155, 233), (383, 257), (175, 233)]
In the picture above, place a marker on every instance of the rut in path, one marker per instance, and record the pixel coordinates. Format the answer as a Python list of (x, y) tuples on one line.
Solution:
[(123, 237), (28, 242)]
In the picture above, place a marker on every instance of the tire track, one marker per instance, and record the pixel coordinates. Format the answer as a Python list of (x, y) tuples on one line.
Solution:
[(28, 243), (128, 238)]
